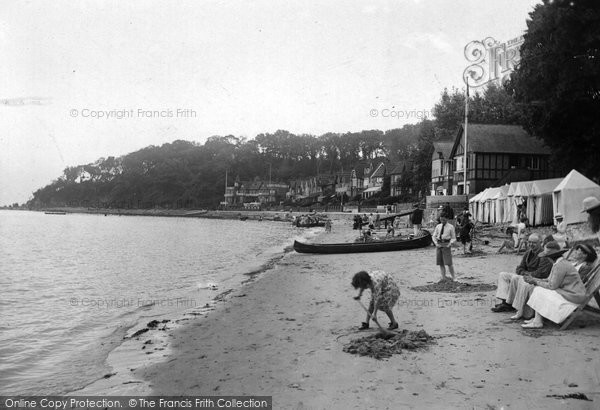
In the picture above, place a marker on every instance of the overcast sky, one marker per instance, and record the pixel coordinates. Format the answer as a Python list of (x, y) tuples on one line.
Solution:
[(229, 67)]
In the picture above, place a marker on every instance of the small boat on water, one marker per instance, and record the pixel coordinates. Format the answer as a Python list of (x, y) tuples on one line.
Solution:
[(398, 244), (55, 213)]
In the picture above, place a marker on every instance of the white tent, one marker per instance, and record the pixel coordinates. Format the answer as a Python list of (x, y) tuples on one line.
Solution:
[(510, 209), (488, 207), (568, 196), (539, 204), (474, 204), (499, 202), (480, 205), (484, 211)]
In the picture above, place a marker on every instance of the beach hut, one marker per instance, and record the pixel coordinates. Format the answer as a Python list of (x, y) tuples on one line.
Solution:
[(510, 209), (539, 205), (520, 195), (499, 202), (484, 211), (474, 204), (569, 194), (480, 202), (488, 206)]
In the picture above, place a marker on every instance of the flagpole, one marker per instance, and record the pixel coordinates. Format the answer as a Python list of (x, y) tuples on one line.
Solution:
[(466, 139)]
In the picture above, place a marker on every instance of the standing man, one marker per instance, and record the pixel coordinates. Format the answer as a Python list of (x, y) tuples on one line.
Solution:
[(416, 219), (443, 237)]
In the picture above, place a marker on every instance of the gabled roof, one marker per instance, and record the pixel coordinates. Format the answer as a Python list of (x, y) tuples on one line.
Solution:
[(443, 147), (575, 180), (498, 138), (379, 171), (400, 167), (544, 186)]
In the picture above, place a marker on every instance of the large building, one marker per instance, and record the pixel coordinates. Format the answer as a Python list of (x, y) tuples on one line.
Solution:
[(496, 154)]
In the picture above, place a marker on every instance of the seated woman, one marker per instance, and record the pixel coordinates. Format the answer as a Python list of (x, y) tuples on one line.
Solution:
[(582, 256), (558, 296), (521, 243), (510, 243), (384, 295)]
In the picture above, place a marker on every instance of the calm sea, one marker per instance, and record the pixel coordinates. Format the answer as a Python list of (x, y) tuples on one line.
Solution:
[(73, 285)]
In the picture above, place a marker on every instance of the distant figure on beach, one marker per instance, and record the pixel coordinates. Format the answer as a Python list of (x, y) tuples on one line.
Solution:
[(416, 219), (371, 221), (560, 235), (521, 235), (377, 219), (390, 232), (532, 265), (510, 243), (465, 229), (328, 225), (443, 237), (384, 295)]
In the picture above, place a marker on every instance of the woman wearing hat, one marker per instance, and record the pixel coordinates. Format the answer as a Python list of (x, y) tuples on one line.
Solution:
[(558, 296), (582, 256), (591, 205)]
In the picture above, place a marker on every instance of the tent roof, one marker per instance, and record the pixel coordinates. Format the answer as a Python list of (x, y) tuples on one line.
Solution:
[(476, 197), (544, 186), (489, 194), (574, 180), (501, 192), (523, 188), (511, 188)]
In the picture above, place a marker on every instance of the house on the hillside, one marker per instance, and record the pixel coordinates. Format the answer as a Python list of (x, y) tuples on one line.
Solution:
[(398, 175), (497, 154), (255, 192), (374, 177), (441, 168)]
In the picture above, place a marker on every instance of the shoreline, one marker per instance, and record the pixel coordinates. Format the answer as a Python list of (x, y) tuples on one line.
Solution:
[(282, 335), (144, 345)]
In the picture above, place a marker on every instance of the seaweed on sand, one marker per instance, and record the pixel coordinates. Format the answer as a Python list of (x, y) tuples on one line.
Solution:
[(380, 346)]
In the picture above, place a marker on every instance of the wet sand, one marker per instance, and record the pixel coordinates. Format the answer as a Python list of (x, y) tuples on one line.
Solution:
[(283, 335)]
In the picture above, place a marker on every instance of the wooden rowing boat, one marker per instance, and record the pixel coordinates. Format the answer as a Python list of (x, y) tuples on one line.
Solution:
[(374, 246)]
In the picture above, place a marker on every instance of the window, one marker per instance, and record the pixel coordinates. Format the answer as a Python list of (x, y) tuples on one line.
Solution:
[(533, 163), (459, 164)]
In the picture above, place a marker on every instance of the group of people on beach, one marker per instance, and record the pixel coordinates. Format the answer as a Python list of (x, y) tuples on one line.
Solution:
[(546, 283), (550, 281)]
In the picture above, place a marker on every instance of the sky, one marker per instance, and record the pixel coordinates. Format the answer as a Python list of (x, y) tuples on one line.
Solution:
[(90, 79)]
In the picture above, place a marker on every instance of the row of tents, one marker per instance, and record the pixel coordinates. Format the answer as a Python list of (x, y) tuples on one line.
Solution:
[(541, 199)]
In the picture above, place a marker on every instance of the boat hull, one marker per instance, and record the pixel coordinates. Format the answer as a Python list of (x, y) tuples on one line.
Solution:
[(376, 246)]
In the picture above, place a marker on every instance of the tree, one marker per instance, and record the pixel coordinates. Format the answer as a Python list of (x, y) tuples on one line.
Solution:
[(558, 81)]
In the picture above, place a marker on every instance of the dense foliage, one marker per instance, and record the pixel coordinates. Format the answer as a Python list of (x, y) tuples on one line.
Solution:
[(558, 81), (186, 174)]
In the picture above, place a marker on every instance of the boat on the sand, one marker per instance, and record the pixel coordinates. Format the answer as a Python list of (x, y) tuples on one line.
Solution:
[(395, 244)]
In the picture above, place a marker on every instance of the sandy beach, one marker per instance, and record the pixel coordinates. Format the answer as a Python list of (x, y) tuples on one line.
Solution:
[(283, 335)]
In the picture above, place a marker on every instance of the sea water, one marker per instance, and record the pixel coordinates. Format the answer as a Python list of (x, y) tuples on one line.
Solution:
[(73, 285)]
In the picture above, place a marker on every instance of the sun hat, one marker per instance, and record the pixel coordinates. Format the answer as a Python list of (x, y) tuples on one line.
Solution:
[(552, 248), (558, 216), (590, 203), (587, 249)]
